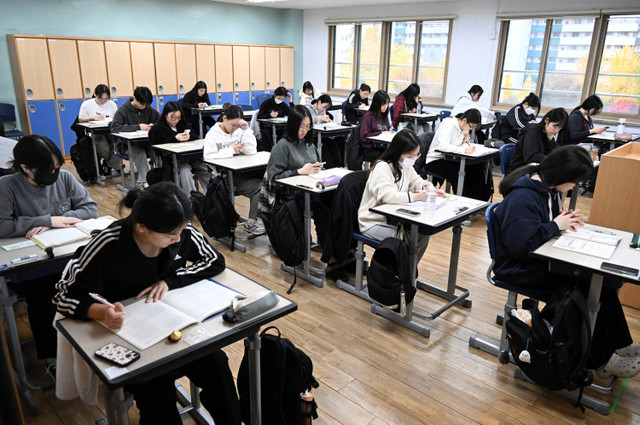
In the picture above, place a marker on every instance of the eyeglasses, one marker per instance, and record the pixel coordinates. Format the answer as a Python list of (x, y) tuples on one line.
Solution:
[(175, 117), (412, 157), (305, 127)]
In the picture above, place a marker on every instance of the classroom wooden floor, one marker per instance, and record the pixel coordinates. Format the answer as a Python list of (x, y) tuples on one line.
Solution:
[(372, 371)]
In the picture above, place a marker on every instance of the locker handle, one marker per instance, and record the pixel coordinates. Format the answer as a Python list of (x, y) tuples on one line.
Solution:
[(253, 85), (268, 84), (236, 85), (60, 91), (61, 107), (29, 94), (32, 108), (237, 97), (181, 89), (219, 86), (87, 92), (282, 84), (160, 90), (114, 90)]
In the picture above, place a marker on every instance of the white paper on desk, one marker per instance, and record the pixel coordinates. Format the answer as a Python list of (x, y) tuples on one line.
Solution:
[(592, 234), (440, 201), (56, 237), (87, 226), (139, 133), (203, 298), (18, 245), (585, 247)]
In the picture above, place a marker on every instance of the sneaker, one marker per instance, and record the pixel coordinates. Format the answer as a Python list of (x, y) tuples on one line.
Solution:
[(50, 367), (254, 227), (623, 367)]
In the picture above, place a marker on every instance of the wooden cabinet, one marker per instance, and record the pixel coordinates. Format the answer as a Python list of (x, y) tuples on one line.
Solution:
[(65, 69), (143, 66), (224, 69), (118, 55), (241, 69), (93, 65), (33, 60), (272, 67), (286, 67), (256, 68), (185, 67), (206, 66), (165, 60)]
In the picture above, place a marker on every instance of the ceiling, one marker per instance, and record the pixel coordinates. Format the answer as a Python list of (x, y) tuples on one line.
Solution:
[(322, 4)]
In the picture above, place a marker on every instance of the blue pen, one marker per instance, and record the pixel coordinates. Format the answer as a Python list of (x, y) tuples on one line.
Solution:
[(26, 259)]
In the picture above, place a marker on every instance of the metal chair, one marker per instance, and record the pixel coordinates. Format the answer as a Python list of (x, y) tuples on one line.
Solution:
[(8, 115), (261, 98), (506, 153)]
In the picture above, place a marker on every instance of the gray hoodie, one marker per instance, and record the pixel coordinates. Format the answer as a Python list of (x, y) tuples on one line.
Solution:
[(128, 118)]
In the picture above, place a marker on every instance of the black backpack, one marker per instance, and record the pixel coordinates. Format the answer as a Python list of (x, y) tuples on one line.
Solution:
[(558, 358), (388, 277), (285, 373), (82, 157), (285, 228), (214, 211)]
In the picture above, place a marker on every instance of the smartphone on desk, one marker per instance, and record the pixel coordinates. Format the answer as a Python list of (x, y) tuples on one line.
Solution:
[(187, 131), (619, 269), (117, 354), (408, 211)]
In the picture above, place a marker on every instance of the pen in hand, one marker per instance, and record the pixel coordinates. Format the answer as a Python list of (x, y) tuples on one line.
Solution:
[(102, 300)]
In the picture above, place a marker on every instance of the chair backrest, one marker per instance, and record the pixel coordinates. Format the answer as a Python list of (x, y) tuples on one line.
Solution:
[(261, 98), (7, 112), (444, 114), (245, 107), (492, 232), (506, 153), (253, 125)]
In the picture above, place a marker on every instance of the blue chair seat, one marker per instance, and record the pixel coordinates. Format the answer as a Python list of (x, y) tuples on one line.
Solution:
[(360, 237), (14, 133)]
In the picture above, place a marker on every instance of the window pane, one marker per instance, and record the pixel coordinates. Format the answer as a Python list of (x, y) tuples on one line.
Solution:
[(566, 62), (619, 78), (521, 66), (370, 39), (403, 41), (343, 48), (434, 39)]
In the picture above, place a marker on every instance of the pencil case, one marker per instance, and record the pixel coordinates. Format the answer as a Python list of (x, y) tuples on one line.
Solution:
[(245, 307), (328, 182)]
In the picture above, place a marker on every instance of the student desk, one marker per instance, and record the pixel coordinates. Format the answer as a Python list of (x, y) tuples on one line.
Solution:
[(485, 124), (139, 137), (609, 137), (44, 266), (90, 128), (163, 357), (424, 117), (181, 150), (481, 154), (208, 110), (382, 139), (329, 130), (446, 216), (239, 163), (623, 255), (307, 185), (273, 123)]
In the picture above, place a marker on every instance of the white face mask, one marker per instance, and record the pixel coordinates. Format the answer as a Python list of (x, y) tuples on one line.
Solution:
[(465, 132), (530, 111), (408, 162), (278, 101)]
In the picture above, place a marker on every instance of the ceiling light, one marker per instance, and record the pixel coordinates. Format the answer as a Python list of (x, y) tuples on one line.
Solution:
[(262, 1)]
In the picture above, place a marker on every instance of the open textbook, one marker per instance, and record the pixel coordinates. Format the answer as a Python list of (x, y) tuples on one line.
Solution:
[(590, 241), (63, 236), (146, 324)]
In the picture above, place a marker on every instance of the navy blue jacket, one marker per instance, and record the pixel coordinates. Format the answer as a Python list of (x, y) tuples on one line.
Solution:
[(579, 126), (353, 102), (525, 219), (515, 120), (533, 145)]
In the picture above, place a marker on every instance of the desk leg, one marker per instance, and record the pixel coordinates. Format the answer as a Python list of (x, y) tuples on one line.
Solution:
[(415, 125), (232, 188), (131, 165), (252, 343), (273, 134), (175, 169), (461, 174), (200, 124), (320, 146), (612, 146), (574, 197), (98, 181)]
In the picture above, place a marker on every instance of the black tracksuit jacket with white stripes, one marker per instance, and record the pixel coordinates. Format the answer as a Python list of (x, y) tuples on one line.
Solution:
[(112, 265)]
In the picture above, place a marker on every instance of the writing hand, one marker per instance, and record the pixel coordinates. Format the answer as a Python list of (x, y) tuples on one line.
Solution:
[(154, 292), (273, 114), (470, 149), (114, 317)]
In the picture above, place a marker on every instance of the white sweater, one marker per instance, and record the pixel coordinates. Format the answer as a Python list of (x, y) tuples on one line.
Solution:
[(382, 189), (448, 138), (465, 103), (217, 143)]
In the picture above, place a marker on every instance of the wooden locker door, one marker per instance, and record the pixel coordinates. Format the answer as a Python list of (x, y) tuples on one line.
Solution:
[(272, 67), (143, 66), (65, 68), (256, 68), (33, 58), (286, 67), (241, 68), (165, 58), (206, 67), (185, 67), (118, 56), (93, 65), (224, 69)]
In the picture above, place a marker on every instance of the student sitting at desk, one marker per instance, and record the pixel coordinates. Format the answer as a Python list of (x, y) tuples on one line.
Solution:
[(232, 136), (37, 197), (137, 114), (538, 140), (172, 128), (518, 117), (6, 152), (155, 249), (531, 214), (453, 136), (293, 155), (273, 107), (469, 100), (197, 97), (406, 101), (318, 109), (358, 99), (580, 123), (308, 93), (393, 180), (374, 122)]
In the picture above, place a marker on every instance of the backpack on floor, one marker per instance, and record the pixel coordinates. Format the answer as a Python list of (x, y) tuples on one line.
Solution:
[(388, 277), (83, 159), (286, 372), (553, 350), (214, 211)]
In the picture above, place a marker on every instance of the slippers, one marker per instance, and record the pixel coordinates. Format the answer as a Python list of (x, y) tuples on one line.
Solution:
[(629, 351), (623, 367)]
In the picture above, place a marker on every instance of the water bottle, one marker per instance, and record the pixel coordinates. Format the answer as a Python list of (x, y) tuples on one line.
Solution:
[(621, 124), (430, 201), (419, 109)]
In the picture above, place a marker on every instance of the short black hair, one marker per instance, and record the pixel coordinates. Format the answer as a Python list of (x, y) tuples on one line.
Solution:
[(472, 115), (102, 89), (169, 107), (294, 121), (143, 95), (365, 87), (404, 141), (280, 91), (35, 152), (476, 89), (592, 102)]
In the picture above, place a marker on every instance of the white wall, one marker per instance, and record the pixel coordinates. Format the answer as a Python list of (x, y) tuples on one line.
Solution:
[(473, 53)]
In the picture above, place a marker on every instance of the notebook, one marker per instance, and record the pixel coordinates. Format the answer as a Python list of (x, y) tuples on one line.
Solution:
[(587, 240), (146, 324), (63, 236)]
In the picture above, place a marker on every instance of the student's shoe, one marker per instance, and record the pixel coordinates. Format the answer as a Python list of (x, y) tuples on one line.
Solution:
[(142, 185), (50, 367), (623, 367), (255, 227), (630, 351)]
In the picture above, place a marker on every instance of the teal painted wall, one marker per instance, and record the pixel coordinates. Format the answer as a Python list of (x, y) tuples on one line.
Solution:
[(189, 20)]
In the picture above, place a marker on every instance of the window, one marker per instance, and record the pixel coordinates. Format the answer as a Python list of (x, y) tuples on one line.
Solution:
[(568, 59), (390, 56)]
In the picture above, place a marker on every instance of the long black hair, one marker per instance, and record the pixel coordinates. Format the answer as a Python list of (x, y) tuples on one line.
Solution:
[(294, 121), (162, 207), (323, 98), (532, 100), (380, 98), (35, 152), (404, 141), (566, 164), (555, 115), (472, 115), (169, 107), (232, 112), (592, 102)]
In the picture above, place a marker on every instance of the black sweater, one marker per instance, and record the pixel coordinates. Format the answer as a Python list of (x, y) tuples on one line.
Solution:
[(128, 118), (161, 133), (191, 100), (579, 126), (112, 265), (353, 102), (515, 120), (270, 105), (533, 145)]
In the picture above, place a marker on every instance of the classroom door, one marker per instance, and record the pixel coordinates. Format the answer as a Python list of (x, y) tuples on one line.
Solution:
[(185, 68), (93, 65), (118, 55)]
